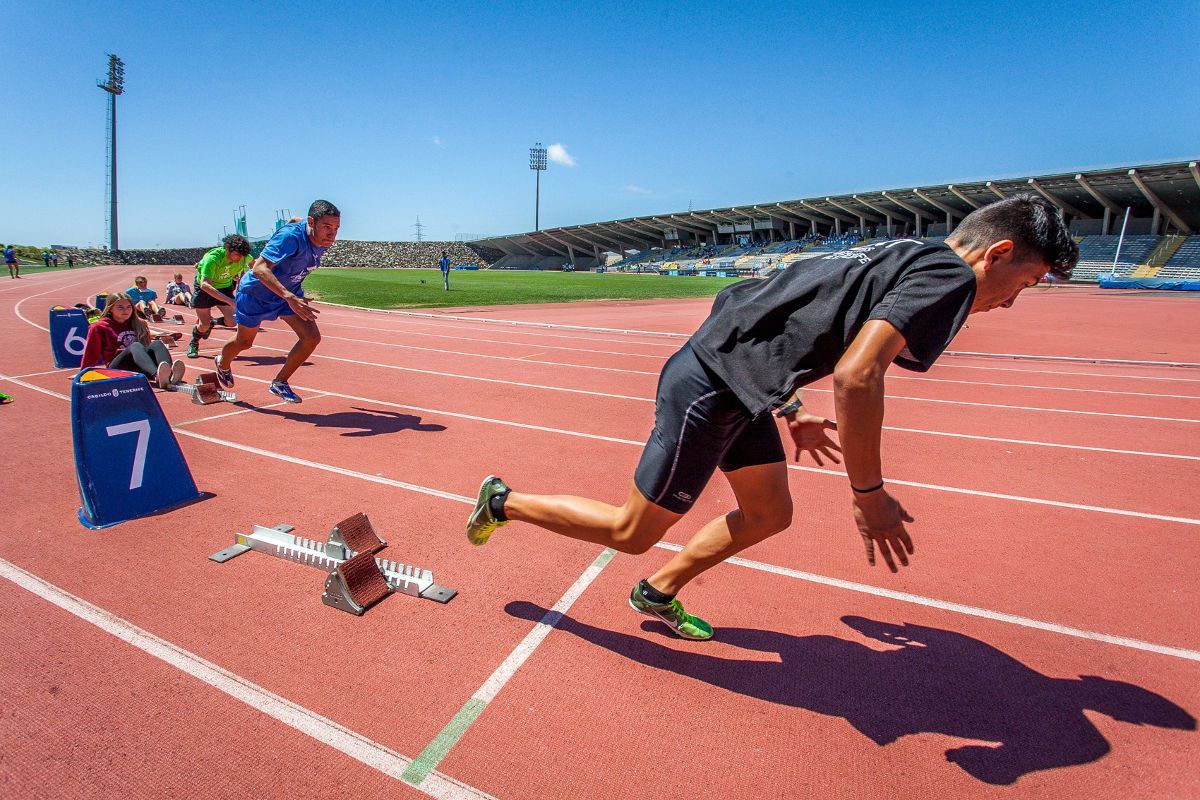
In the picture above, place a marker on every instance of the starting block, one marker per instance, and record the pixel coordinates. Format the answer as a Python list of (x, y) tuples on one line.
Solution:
[(357, 579), (206, 391), (169, 339)]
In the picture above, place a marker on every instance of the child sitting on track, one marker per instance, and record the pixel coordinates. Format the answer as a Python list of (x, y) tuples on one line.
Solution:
[(178, 292), (120, 339), (143, 299)]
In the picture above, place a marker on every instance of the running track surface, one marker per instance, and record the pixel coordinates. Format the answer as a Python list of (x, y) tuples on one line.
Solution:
[(1043, 644)]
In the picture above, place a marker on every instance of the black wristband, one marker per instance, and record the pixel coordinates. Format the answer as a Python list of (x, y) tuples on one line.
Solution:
[(790, 408), (867, 491)]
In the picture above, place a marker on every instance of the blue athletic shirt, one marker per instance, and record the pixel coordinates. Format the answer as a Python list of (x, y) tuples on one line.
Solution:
[(10, 254), (141, 295), (293, 255), (445, 262)]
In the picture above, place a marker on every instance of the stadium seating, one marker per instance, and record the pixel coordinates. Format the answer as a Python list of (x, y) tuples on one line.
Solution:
[(1096, 255), (1185, 263)]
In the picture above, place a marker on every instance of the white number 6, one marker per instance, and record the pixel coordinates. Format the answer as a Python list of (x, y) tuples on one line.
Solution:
[(142, 429), (74, 343)]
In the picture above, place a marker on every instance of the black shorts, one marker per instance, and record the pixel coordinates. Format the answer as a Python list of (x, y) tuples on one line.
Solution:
[(699, 425), (202, 299)]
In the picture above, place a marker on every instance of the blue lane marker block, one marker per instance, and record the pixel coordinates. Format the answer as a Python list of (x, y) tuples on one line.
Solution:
[(68, 336), (127, 460)]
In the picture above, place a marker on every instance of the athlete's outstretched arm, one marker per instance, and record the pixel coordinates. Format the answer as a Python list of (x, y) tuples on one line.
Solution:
[(858, 382)]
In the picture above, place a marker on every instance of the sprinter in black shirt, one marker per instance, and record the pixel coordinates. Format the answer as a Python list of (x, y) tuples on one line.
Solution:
[(850, 314)]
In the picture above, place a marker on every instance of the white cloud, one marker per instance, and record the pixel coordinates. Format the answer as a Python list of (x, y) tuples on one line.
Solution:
[(633, 187), (559, 155), (437, 140)]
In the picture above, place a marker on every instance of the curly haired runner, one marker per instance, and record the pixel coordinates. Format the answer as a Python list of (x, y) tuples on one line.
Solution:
[(216, 275), (850, 314), (272, 290)]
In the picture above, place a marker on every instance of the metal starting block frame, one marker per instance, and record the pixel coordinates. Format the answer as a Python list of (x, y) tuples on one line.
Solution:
[(347, 588), (206, 390)]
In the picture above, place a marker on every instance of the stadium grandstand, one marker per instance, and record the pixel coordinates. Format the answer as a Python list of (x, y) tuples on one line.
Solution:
[(1137, 221)]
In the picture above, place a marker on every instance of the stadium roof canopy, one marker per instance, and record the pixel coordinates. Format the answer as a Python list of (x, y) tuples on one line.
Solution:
[(1095, 201)]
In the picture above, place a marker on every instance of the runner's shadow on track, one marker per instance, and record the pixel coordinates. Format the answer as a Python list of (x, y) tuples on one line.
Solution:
[(265, 361), (929, 681), (360, 421)]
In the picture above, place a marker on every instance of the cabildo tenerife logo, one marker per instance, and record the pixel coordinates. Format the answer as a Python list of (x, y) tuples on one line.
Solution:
[(100, 375)]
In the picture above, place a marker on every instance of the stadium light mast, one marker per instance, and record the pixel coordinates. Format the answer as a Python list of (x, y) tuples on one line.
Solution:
[(114, 84), (537, 163)]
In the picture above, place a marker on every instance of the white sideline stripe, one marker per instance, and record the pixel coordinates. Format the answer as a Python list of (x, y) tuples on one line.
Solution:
[(835, 582), (17, 306), (524, 323), (525, 359), (1022, 408), (651, 400), (411, 332), (47, 372), (799, 468), (242, 411), (1044, 388), (564, 337), (940, 366), (1016, 498), (958, 608), (1075, 359), (634, 331), (360, 748), (1042, 444)]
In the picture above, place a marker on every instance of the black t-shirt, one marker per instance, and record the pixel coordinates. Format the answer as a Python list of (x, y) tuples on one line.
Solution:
[(766, 338)]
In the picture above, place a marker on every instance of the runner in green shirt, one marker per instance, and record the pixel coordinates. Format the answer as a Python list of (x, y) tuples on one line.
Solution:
[(216, 275)]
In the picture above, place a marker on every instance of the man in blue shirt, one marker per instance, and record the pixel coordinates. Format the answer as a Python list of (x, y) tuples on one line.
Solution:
[(10, 258), (445, 264), (272, 290)]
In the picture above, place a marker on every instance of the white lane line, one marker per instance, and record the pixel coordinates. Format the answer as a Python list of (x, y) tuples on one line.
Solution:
[(1043, 388), (64, 371), (1045, 410), (462, 499), (242, 411), (17, 307), (360, 748), (460, 376), (1033, 443), (958, 608), (1127, 362), (941, 366)]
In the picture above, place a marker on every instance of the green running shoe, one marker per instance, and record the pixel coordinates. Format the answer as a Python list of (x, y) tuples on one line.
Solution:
[(193, 349), (482, 521), (682, 623)]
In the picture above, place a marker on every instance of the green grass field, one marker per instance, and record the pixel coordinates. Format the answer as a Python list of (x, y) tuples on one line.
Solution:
[(422, 288)]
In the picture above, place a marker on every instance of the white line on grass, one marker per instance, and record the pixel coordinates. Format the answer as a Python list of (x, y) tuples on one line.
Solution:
[(360, 748)]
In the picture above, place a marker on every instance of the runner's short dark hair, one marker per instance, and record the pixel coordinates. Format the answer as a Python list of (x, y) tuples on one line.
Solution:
[(1032, 223), (236, 243), (323, 208)]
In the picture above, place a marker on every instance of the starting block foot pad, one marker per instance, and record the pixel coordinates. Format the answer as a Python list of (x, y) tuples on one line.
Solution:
[(206, 390), (355, 585), (357, 534)]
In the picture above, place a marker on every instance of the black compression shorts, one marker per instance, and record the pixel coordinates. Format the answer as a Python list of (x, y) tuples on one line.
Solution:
[(202, 299), (699, 425)]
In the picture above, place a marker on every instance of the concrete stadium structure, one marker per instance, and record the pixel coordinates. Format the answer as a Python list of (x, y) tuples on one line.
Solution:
[(1161, 199)]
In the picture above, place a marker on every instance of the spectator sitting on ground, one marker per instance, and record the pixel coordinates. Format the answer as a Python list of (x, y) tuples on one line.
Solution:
[(144, 299), (120, 339), (178, 292)]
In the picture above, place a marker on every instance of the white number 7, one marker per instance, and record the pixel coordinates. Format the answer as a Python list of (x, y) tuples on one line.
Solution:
[(142, 429)]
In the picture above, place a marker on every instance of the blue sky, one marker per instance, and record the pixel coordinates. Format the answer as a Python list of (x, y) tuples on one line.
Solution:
[(394, 110)]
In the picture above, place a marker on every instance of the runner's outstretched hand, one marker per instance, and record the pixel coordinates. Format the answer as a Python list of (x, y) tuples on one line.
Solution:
[(303, 308), (809, 435), (880, 521)]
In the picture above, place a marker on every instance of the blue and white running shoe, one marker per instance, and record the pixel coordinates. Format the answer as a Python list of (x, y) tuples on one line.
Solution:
[(281, 389), (225, 376)]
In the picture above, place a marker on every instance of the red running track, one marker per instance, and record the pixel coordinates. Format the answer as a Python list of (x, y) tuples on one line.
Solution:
[(1043, 643)]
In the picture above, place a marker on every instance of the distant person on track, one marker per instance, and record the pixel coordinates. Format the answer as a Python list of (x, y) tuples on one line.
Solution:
[(70, 261), (10, 258), (120, 339), (54, 258), (444, 263), (46, 258), (216, 281), (272, 289), (850, 314), (178, 292), (145, 299)]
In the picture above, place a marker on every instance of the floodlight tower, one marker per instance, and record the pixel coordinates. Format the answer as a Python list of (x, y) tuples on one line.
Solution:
[(537, 163), (114, 84)]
